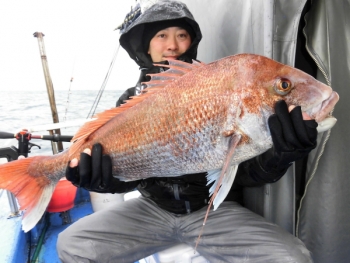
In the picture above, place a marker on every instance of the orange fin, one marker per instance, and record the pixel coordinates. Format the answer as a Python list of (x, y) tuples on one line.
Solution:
[(158, 81), (176, 69), (32, 192)]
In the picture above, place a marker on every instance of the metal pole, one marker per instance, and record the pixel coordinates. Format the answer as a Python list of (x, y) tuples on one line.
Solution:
[(50, 90), (13, 205)]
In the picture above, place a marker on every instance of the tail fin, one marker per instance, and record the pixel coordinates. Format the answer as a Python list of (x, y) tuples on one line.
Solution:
[(32, 190)]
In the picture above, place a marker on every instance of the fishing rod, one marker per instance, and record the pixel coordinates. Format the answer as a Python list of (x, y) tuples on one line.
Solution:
[(24, 146), (129, 18)]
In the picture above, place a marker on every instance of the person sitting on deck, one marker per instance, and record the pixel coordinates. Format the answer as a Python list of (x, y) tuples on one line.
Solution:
[(170, 210)]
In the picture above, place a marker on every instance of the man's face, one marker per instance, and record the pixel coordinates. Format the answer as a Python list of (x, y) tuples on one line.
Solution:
[(169, 44)]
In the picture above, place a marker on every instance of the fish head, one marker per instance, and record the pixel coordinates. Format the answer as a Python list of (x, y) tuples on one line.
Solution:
[(295, 87)]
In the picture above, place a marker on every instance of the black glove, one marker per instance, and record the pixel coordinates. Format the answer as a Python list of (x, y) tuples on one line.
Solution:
[(94, 173), (293, 138)]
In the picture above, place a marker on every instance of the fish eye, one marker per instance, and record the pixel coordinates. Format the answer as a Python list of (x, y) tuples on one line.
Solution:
[(283, 86)]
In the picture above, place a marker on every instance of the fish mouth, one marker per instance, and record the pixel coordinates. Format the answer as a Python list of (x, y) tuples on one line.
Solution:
[(326, 124), (323, 110)]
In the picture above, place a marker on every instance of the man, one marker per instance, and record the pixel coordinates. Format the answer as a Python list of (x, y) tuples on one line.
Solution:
[(171, 210)]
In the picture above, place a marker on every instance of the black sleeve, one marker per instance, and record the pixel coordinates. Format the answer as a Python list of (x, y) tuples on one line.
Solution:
[(125, 187), (251, 172), (125, 96)]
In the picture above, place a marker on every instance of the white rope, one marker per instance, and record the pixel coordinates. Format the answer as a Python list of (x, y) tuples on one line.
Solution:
[(310, 179), (324, 142)]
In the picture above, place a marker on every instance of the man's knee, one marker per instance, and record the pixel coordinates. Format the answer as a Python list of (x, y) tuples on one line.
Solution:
[(296, 250), (66, 246), (61, 244)]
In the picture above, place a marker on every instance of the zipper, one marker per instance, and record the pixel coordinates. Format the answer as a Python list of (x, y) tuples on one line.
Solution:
[(327, 135), (313, 56)]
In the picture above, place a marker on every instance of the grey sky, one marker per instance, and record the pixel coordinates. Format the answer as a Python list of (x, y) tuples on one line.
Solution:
[(79, 40)]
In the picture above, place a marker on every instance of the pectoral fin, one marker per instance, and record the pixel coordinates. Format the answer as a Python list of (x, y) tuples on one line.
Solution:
[(223, 180), (226, 184)]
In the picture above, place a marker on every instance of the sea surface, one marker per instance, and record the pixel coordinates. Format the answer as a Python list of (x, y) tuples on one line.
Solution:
[(22, 109)]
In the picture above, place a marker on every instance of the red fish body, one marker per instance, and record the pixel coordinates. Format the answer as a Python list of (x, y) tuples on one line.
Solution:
[(193, 118)]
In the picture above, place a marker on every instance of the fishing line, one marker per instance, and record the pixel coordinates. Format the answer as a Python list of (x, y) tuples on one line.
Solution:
[(100, 92), (69, 92)]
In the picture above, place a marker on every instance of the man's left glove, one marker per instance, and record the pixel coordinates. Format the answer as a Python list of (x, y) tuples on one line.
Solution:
[(94, 173)]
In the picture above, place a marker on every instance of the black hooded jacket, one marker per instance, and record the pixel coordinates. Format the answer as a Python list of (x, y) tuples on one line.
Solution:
[(189, 192), (135, 35), (133, 38)]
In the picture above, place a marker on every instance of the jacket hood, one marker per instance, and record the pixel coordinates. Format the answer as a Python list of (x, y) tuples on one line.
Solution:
[(132, 37)]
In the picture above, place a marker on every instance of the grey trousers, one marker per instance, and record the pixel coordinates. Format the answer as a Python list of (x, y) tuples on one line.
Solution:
[(137, 228)]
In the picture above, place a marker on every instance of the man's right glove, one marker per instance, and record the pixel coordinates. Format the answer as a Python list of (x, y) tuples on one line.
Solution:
[(94, 173), (293, 138)]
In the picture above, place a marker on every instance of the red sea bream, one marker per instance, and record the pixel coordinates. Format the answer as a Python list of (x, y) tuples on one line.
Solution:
[(192, 118)]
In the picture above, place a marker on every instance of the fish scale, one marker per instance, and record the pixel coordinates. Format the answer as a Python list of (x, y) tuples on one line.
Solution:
[(191, 118), (180, 131)]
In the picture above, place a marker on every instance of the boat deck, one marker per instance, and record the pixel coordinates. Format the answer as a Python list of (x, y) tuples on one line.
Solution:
[(39, 244), (58, 223), (15, 244)]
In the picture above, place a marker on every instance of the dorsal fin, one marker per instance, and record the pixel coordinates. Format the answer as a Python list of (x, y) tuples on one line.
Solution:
[(158, 81), (176, 69)]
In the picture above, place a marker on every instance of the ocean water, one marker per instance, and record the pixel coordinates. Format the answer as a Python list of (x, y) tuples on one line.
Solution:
[(21, 109)]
